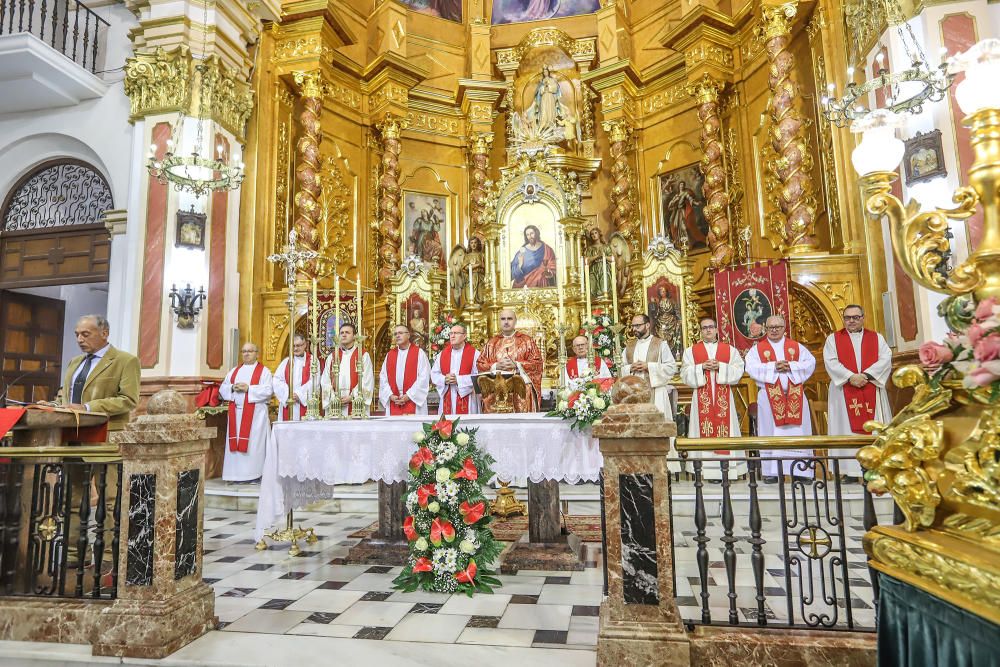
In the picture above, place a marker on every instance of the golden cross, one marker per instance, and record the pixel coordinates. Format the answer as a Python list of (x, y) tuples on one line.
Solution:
[(856, 406), (292, 258), (813, 541)]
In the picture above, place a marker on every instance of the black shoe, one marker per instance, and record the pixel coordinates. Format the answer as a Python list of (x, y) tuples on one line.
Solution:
[(770, 479), (849, 479), (715, 481)]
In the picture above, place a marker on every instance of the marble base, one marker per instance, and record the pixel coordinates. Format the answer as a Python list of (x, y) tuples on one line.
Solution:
[(643, 643), (122, 628), (566, 555), (724, 647), (377, 551)]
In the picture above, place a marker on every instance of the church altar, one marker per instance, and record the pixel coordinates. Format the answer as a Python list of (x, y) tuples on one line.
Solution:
[(306, 459)]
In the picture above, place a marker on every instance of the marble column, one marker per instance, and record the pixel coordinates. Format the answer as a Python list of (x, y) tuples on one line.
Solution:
[(707, 91), (639, 620), (307, 156), (788, 134), (389, 203)]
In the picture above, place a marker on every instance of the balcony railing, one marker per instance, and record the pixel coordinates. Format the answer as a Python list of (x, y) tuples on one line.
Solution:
[(68, 26), (60, 520), (784, 554)]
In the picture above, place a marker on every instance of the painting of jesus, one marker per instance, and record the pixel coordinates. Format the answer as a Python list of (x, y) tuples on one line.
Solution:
[(534, 263)]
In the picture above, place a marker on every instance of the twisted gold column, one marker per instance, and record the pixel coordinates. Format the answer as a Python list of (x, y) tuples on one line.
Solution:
[(480, 159), (793, 160), (623, 216), (307, 166), (389, 252), (707, 91)]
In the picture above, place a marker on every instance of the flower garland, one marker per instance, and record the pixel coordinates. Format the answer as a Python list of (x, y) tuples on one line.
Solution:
[(585, 406), (604, 338), (448, 515), (973, 355), (440, 333)]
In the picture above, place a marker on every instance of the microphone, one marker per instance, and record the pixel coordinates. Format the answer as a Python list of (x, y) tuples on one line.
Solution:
[(6, 388)]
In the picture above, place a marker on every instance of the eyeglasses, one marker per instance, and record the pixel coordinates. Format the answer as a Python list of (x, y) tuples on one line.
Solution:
[(854, 317), (774, 327)]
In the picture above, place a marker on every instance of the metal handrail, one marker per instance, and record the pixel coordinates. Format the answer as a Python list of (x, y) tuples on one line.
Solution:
[(68, 26), (775, 442), (90, 453)]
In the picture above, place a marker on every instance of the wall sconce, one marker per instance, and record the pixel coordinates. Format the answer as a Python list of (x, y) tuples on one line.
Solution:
[(186, 304)]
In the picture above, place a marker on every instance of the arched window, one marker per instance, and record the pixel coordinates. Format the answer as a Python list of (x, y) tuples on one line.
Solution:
[(57, 194)]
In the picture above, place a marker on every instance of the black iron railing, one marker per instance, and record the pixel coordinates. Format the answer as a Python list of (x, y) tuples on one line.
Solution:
[(59, 528), (68, 26), (780, 553)]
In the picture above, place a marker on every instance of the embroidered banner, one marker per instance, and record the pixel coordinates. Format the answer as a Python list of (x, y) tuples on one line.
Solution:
[(745, 296)]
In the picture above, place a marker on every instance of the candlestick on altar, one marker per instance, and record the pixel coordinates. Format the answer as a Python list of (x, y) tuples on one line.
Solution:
[(586, 287), (312, 404), (604, 274), (447, 282), (359, 404), (336, 407)]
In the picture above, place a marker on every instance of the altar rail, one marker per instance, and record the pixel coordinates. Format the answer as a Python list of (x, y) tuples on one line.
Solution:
[(68, 26), (815, 563), (60, 517)]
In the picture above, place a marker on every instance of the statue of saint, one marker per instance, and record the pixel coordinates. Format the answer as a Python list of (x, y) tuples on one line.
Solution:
[(666, 321), (599, 268), (548, 108)]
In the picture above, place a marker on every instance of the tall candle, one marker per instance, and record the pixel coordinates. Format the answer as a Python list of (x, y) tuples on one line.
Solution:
[(357, 295), (336, 301), (472, 294), (604, 266), (559, 291), (614, 288), (586, 287), (447, 288)]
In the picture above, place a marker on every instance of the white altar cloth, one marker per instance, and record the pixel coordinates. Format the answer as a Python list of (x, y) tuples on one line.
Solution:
[(305, 459)]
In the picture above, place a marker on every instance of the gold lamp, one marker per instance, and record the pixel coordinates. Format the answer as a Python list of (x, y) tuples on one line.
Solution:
[(921, 240)]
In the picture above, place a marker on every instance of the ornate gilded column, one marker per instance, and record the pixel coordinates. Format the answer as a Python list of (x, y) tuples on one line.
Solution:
[(391, 128), (623, 217), (707, 90), (479, 151), (307, 167), (793, 161)]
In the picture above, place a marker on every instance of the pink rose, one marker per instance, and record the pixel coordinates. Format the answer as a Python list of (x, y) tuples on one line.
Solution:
[(933, 355), (974, 333), (981, 376), (985, 308), (988, 348)]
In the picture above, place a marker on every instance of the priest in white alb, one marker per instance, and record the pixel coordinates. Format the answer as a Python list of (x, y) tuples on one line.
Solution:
[(711, 367), (859, 363), (248, 390), (781, 366), (298, 384), (452, 374), (348, 378), (578, 367), (650, 358), (405, 377)]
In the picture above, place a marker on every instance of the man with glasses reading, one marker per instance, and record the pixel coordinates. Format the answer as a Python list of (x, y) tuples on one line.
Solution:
[(780, 366), (452, 374), (859, 363), (711, 367)]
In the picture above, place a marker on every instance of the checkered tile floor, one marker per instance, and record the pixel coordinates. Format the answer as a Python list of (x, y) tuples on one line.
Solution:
[(270, 592)]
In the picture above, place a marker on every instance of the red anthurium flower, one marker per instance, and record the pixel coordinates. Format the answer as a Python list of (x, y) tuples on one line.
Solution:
[(572, 399), (442, 529), (422, 457), (472, 513), (408, 529), (443, 427), (468, 574), (605, 383), (425, 492), (468, 471), (423, 564)]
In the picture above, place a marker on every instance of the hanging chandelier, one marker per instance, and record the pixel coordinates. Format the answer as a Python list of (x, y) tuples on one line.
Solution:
[(905, 91), (196, 172)]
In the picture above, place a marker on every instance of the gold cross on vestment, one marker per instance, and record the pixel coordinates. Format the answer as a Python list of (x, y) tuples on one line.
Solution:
[(857, 407), (813, 541)]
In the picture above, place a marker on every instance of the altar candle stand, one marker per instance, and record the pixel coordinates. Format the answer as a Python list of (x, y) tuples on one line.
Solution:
[(336, 409), (312, 404)]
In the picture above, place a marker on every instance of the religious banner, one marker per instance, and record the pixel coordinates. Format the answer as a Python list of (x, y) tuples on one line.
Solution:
[(745, 296)]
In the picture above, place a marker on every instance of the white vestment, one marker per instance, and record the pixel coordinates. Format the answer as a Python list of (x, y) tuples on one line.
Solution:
[(246, 466), (837, 420), (418, 391), (347, 361), (765, 373), (693, 375), (659, 376), (302, 391), (582, 370), (464, 386)]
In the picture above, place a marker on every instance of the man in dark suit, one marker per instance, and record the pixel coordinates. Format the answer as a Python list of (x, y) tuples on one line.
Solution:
[(102, 379)]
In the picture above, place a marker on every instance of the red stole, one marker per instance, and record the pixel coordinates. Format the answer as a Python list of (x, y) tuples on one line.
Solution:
[(353, 370), (240, 442), (409, 377), (860, 401), (573, 370), (465, 368), (288, 381), (713, 403), (786, 404)]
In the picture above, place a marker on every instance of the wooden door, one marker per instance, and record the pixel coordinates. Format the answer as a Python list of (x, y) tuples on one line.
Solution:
[(31, 340)]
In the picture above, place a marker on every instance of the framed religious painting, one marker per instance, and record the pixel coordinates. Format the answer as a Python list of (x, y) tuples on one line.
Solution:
[(663, 305), (666, 286), (529, 258), (923, 158), (426, 221), (190, 229), (414, 314), (446, 9), (682, 207), (520, 11)]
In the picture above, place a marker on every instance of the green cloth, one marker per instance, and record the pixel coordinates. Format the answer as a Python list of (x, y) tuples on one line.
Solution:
[(916, 629)]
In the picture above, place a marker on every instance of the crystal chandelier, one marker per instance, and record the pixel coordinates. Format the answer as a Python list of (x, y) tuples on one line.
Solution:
[(196, 172), (905, 91)]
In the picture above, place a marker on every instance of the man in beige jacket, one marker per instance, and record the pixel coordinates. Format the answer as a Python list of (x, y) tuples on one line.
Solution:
[(102, 379)]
